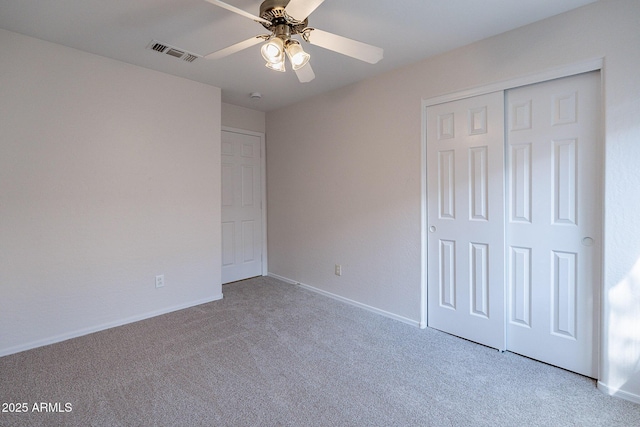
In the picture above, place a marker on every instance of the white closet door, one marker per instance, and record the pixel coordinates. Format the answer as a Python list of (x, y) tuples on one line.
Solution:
[(465, 185), (554, 221), (241, 206)]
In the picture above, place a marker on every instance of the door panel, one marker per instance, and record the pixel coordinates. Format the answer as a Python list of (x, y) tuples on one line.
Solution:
[(554, 221), (241, 206), (465, 167)]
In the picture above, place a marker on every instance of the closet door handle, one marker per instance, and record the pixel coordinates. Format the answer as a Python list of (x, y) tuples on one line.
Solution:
[(432, 229), (587, 241)]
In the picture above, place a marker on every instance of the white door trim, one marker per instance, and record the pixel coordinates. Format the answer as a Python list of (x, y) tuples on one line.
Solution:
[(263, 178), (537, 77)]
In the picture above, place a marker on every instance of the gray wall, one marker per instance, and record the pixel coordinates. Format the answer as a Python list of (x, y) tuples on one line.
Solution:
[(109, 176), (344, 172), (243, 118)]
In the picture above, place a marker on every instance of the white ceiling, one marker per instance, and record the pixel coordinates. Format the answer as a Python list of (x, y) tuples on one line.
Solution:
[(407, 30)]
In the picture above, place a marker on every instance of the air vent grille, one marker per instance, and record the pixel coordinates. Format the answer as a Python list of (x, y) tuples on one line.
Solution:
[(189, 57), (159, 47), (172, 51)]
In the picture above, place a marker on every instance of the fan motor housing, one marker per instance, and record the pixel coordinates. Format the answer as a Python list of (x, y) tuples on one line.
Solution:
[(273, 11)]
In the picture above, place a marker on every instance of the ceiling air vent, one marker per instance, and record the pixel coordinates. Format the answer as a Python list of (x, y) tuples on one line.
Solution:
[(189, 57), (172, 51)]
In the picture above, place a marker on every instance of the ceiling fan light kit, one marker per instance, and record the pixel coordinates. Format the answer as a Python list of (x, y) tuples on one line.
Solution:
[(285, 18), (273, 50), (276, 66), (297, 55)]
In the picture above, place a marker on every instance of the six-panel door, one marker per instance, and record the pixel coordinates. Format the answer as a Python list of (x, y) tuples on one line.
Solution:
[(241, 206), (465, 163), (554, 231)]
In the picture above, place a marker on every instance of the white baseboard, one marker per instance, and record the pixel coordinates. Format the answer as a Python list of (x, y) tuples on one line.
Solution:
[(618, 393), (102, 327), (349, 301), (283, 279)]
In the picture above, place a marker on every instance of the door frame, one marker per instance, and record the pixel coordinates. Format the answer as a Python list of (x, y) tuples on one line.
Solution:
[(539, 77), (263, 189)]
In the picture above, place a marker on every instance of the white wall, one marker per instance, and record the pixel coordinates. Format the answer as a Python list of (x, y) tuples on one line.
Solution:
[(344, 172), (109, 175), (237, 117)]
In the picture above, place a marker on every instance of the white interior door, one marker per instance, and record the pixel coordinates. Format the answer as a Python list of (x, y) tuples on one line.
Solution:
[(242, 238), (465, 186), (554, 221)]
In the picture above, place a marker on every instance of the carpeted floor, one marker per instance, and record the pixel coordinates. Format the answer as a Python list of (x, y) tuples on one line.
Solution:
[(273, 354)]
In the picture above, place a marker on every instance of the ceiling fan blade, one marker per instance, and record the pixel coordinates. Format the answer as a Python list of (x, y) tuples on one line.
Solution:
[(301, 9), (305, 74), (239, 11), (235, 48), (355, 49)]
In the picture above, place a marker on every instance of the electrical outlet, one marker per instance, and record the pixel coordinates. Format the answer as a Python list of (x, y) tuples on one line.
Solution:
[(160, 281), (338, 270)]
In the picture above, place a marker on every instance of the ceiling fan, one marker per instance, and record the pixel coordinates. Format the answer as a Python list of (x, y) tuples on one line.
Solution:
[(285, 18)]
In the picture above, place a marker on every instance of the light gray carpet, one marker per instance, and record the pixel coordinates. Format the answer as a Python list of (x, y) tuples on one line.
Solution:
[(273, 354)]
